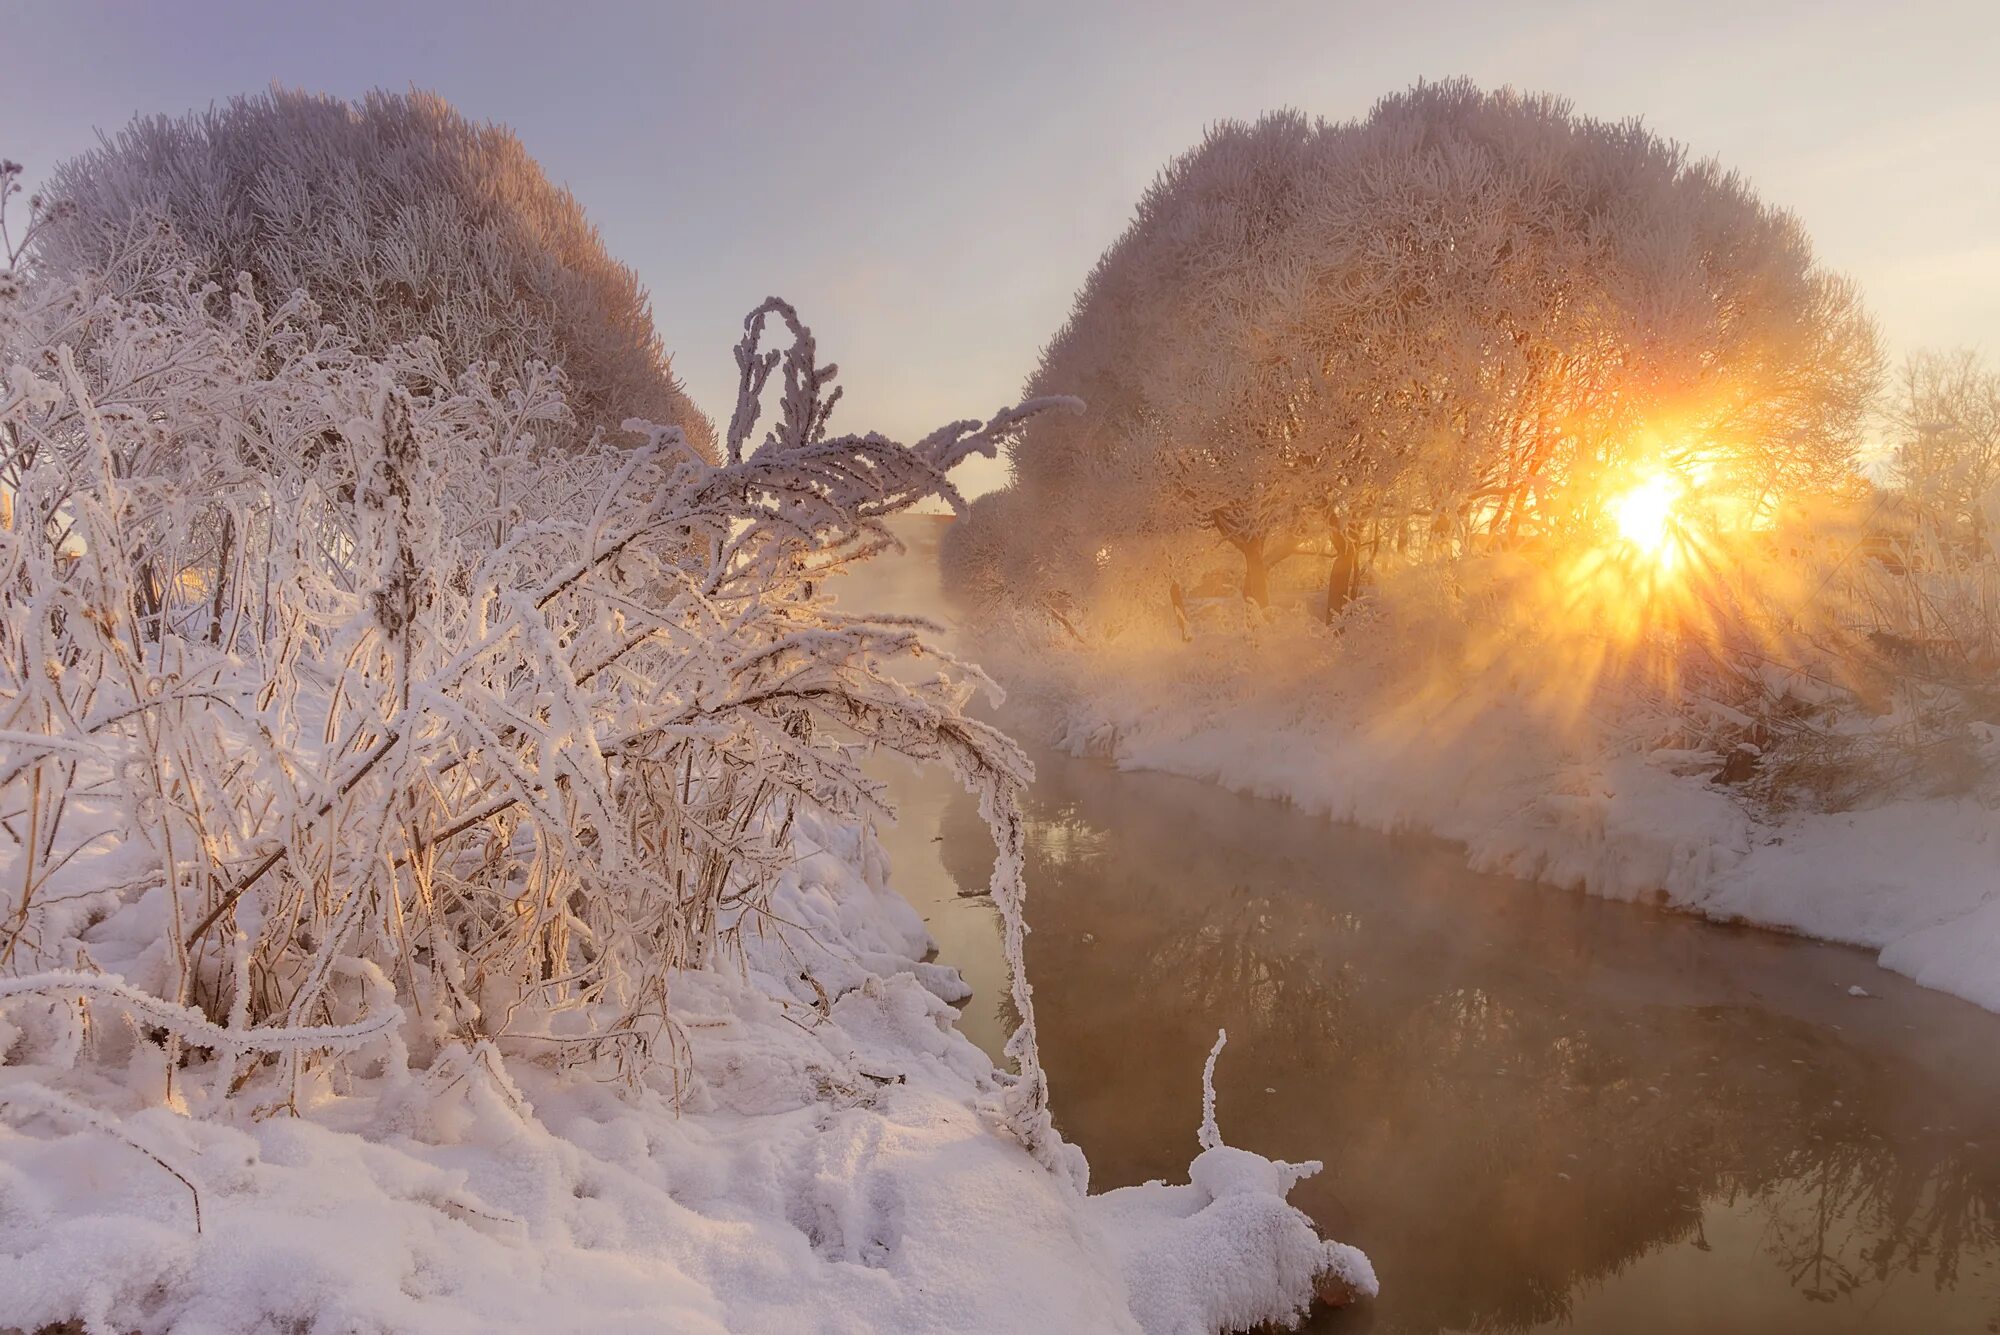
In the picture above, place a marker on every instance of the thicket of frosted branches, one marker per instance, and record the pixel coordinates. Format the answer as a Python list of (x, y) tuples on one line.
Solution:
[(356, 724)]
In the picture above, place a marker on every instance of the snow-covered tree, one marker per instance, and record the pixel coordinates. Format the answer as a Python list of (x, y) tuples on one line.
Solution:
[(1537, 300), (1185, 430), (1945, 421), (1465, 319), (1227, 387), (400, 218)]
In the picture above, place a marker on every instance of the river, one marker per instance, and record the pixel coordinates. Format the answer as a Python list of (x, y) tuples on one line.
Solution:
[(1537, 1110)]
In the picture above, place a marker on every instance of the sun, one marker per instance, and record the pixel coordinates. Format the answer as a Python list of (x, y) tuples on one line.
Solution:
[(1645, 515)]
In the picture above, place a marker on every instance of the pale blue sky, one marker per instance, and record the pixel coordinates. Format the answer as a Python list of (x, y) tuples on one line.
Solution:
[(929, 183)]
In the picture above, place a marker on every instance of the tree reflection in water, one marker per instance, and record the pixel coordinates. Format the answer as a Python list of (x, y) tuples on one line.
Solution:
[(1535, 1108)]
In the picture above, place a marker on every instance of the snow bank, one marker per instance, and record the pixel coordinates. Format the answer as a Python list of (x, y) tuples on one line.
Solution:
[(1497, 769), (1225, 1251), (835, 1163)]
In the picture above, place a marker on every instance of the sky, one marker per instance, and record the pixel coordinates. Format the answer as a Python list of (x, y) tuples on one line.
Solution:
[(929, 184)]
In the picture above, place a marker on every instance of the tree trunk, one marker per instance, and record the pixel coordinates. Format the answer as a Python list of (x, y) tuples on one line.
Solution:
[(1256, 572), (1343, 576)]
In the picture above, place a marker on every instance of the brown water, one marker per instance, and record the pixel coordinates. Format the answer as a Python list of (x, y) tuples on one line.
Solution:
[(1537, 1110)]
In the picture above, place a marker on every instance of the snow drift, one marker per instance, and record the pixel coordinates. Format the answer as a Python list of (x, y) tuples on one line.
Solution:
[(837, 1161)]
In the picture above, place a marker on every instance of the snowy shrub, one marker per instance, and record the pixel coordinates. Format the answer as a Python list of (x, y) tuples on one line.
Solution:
[(346, 723), (398, 217)]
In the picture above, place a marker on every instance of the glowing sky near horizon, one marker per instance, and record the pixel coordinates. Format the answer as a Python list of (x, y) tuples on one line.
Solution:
[(929, 184)]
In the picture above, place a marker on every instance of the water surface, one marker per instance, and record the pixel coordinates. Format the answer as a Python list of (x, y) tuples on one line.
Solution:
[(1537, 1110)]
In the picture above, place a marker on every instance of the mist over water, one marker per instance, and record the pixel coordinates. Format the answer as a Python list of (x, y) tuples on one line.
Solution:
[(1537, 1110)]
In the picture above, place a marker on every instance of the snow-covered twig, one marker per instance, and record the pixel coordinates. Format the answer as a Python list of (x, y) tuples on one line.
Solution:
[(1209, 1136), (25, 1094)]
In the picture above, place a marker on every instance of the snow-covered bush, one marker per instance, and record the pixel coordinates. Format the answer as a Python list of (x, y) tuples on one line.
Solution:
[(399, 217), (343, 720)]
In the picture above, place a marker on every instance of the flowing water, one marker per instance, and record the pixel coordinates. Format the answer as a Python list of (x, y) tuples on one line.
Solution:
[(1537, 1110)]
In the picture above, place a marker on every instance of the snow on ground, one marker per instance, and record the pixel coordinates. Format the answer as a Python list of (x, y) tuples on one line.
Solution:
[(1486, 766), (834, 1164)]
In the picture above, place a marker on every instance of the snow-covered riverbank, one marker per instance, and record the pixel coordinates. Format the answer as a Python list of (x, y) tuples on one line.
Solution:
[(1916, 879), (835, 1164)]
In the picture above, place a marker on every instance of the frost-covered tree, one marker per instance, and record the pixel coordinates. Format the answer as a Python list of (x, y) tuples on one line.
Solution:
[(1187, 426), (1463, 319), (399, 217), (1227, 387), (1945, 422), (1534, 299)]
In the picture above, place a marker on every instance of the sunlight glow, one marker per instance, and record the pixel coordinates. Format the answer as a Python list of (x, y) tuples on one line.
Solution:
[(1645, 515)]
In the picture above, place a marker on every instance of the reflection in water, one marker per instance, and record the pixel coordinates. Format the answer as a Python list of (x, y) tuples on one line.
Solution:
[(1536, 1109)]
